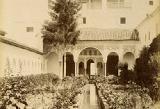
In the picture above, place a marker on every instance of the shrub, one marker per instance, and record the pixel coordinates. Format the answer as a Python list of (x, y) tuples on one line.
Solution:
[(129, 96), (13, 90), (147, 66), (126, 75)]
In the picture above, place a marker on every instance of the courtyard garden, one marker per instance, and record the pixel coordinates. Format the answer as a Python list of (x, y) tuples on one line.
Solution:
[(43, 91), (47, 91)]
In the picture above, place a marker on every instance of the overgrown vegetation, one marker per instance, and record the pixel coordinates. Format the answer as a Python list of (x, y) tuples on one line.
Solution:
[(44, 90), (147, 68), (122, 96)]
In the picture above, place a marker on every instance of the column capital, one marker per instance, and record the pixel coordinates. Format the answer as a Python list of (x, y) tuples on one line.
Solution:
[(105, 59)]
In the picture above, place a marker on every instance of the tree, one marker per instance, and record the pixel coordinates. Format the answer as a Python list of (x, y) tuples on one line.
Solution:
[(154, 51), (155, 45), (155, 60), (61, 29), (142, 67), (147, 67)]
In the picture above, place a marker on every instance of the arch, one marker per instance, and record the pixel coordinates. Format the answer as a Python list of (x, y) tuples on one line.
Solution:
[(112, 63), (91, 51), (129, 58), (100, 68), (70, 65), (81, 68), (100, 52), (90, 55), (89, 66), (52, 63)]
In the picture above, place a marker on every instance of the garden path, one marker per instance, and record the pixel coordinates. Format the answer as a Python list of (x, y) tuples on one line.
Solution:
[(90, 99)]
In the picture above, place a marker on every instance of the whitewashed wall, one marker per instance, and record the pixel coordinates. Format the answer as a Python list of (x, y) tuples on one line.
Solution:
[(16, 15), (105, 17), (149, 28), (20, 61)]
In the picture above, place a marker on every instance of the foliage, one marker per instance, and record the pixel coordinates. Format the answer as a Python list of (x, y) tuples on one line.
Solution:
[(142, 66), (155, 45), (155, 60), (155, 64), (129, 96), (13, 90), (61, 29), (126, 74), (147, 66), (70, 89), (46, 90)]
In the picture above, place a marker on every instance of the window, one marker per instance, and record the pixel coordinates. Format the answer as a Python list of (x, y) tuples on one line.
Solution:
[(84, 1), (117, 4), (122, 20), (95, 4), (150, 2), (84, 20), (29, 29)]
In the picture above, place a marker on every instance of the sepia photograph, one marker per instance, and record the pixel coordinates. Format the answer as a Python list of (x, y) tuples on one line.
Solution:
[(79, 54)]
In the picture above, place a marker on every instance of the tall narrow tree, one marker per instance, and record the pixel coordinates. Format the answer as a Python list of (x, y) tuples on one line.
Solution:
[(62, 28)]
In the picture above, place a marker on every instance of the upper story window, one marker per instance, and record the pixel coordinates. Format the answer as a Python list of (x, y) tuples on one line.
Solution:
[(118, 3), (122, 20), (94, 4), (84, 20), (29, 29), (83, 1), (151, 2)]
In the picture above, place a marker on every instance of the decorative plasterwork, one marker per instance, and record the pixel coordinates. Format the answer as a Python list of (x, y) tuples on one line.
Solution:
[(107, 34)]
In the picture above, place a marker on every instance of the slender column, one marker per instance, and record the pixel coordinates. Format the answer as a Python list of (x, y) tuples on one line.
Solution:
[(60, 69), (65, 65), (105, 69), (95, 67), (85, 67), (77, 68), (76, 73)]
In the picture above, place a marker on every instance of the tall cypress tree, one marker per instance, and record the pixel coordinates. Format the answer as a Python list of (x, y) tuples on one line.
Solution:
[(62, 28)]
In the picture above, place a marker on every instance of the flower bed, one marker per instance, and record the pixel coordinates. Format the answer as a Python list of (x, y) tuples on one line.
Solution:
[(116, 96), (45, 91)]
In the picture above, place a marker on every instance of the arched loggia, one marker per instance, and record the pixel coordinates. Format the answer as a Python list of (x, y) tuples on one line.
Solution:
[(129, 59), (100, 68), (91, 55), (70, 65), (81, 68), (89, 66), (112, 63)]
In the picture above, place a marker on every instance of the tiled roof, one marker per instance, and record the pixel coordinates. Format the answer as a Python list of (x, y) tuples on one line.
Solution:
[(107, 34)]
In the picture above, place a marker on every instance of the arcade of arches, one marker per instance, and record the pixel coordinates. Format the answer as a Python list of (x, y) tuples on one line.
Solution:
[(90, 62)]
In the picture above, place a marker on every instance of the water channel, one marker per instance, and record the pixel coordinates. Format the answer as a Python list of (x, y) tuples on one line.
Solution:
[(90, 98)]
